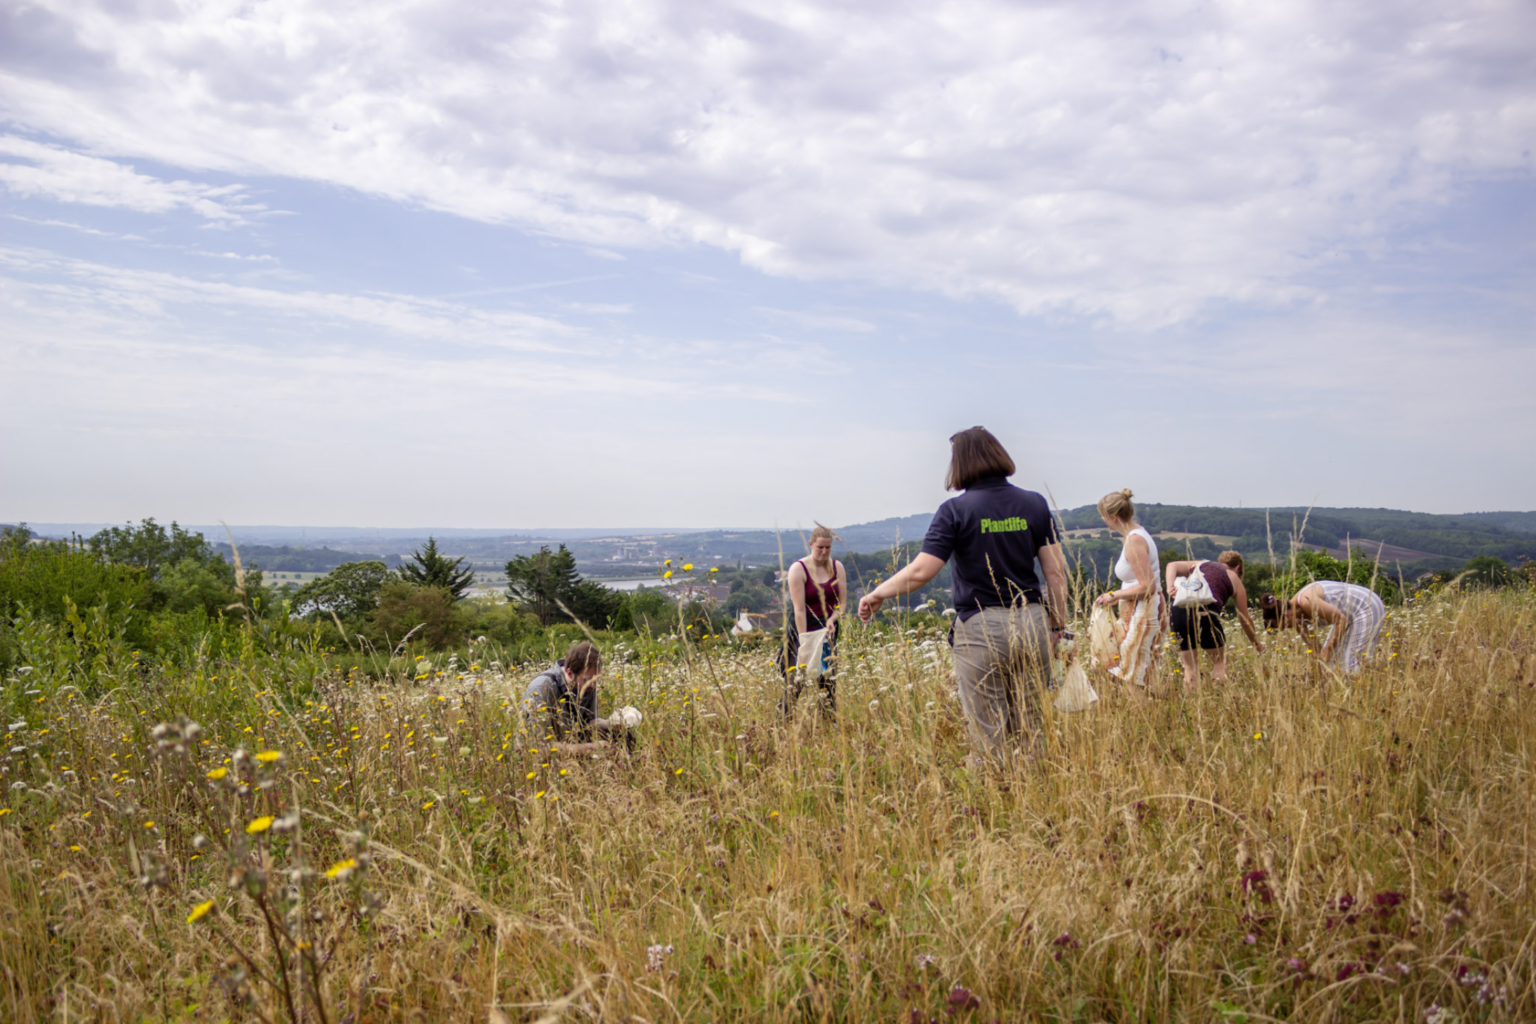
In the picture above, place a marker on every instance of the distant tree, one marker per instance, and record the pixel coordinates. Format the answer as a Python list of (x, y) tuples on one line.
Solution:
[(187, 572), (151, 547), (349, 591), (538, 582), (542, 582), (593, 604), (429, 568)]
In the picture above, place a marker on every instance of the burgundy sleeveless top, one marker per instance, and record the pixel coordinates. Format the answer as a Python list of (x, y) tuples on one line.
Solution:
[(1221, 583), (820, 598)]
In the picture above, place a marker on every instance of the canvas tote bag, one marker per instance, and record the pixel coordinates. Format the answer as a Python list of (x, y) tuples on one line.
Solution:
[(1194, 590)]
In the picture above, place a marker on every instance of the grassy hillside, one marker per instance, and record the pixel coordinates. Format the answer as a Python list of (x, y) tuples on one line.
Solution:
[(291, 843)]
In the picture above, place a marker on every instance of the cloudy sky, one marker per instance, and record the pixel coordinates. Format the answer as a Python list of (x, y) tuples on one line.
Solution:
[(665, 263)]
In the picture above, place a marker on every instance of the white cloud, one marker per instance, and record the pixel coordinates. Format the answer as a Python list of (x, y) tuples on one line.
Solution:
[(161, 295), (1136, 162), (52, 172), (73, 316)]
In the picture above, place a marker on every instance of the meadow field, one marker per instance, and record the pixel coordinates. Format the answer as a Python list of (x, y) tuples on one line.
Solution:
[(263, 838)]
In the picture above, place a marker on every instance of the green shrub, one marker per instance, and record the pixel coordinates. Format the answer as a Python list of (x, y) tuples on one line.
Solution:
[(426, 615), (645, 611), (50, 579), (1486, 571)]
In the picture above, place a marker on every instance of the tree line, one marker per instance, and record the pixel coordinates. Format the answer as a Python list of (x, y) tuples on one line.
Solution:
[(170, 595)]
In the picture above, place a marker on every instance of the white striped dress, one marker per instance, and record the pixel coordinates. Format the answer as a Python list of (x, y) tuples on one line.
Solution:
[(1366, 614), (1143, 643)]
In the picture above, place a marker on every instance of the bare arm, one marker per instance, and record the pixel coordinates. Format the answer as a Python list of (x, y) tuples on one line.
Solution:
[(917, 574), (842, 592), (1240, 594), (1338, 621), (1054, 561), (796, 582)]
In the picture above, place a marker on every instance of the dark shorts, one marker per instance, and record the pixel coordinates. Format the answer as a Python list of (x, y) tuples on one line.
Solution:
[(1185, 623)]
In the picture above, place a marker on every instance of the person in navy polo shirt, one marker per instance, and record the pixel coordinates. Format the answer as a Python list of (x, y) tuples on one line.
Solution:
[(1006, 624)]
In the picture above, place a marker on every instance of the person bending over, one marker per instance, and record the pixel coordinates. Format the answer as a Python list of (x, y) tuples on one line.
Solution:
[(1354, 615), (816, 588), (1143, 616), (1202, 624), (561, 703), (1006, 626)]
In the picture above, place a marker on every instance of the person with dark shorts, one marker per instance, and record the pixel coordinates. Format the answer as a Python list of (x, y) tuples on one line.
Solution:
[(1201, 624)]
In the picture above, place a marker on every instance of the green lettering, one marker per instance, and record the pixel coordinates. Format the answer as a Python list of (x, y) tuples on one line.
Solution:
[(1013, 524)]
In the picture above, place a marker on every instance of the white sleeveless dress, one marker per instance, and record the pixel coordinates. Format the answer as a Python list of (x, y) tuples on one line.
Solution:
[(1142, 646)]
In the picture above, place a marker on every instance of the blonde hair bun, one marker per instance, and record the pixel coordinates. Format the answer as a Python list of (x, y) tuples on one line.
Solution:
[(1117, 505)]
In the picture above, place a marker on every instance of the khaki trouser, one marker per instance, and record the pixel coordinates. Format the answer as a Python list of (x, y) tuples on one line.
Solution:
[(1002, 664)]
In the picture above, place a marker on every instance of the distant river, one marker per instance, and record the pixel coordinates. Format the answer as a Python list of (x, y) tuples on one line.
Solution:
[(649, 581)]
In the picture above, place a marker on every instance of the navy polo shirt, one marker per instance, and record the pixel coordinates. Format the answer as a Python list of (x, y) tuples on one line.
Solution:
[(993, 531)]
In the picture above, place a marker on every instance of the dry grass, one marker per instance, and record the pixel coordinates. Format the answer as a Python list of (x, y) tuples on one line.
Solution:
[(1285, 847)]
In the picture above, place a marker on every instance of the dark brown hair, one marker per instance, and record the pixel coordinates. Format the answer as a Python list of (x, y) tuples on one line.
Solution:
[(975, 454), (581, 657), (1232, 560)]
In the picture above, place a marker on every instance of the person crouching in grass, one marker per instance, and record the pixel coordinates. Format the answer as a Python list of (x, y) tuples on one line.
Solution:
[(561, 703), (1007, 623)]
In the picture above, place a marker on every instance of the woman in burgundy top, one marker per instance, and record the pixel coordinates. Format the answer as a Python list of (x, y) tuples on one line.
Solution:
[(1225, 575), (817, 588)]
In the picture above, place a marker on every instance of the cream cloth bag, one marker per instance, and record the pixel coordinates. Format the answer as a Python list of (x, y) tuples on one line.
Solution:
[(1103, 647), (1076, 693), (810, 659)]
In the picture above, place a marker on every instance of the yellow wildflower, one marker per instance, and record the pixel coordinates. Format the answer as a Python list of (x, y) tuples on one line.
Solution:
[(261, 824), (218, 773), (341, 868), (199, 912)]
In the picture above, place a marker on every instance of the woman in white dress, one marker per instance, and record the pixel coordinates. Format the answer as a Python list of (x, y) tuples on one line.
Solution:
[(1143, 613)]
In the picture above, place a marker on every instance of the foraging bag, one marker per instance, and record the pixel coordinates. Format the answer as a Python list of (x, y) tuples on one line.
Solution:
[(811, 659), (1103, 648), (1077, 693), (1194, 590)]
